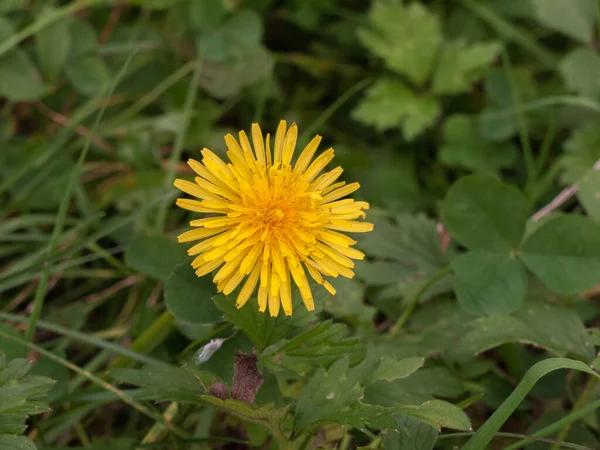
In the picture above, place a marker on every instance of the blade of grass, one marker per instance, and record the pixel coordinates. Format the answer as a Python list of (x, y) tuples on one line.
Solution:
[(486, 433), (47, 20), (88, 339), (520, 436), (98, 381), (190, 99), (331, 109), (511, 32), (40, 293)]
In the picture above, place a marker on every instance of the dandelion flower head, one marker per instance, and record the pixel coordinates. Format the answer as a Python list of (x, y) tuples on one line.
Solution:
[(272, 219)]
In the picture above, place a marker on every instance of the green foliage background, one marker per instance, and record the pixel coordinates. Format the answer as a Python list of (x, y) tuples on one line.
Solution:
[(473, 127)]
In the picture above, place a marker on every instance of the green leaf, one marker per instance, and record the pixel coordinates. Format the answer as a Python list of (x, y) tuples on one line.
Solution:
[(333, 395), (408, 254), (581, 72), (564, 253), (574, 18), (84, 39), (166, 383), (582, 150), (483, 213), (156, 256), (407, 37), (189, 298), (389, 103), (49, 368), (319, 346), (262, 329), (348, 302), (207, 16), (20, 395), (486, 433), (13, 5), (245, 26), (487, 282), (52, 45), (465, 147), (588, 191), (462, 64), (438, 413), (12, 442), (19, 78), (411, 434), (88, 74), (536, 323)]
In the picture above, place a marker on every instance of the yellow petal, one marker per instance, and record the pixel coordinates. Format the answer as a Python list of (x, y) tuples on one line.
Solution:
[(249, 286)]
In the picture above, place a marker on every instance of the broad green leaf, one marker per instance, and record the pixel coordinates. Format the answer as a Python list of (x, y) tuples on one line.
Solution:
[(88, 74), (465, 147), (438, 413), (588, 192), (207, 16), (582, 150), (564, 253), (423, 385), (411, 434), (409, 254), (581, 72), (262, 329), (574, 18), (319, 346), (462, 64), (84, 39), (12, 442), (156, 256), (166, 383), (19, 78), (52, 45), (190, 298), (486, 433), (245, 26), (407, 37), (488, 282), (389, 104), (333, 395), (483, 213), (536, 323), (348, 302)]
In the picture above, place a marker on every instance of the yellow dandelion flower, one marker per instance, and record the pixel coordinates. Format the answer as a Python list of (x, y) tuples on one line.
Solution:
[(271, 220)]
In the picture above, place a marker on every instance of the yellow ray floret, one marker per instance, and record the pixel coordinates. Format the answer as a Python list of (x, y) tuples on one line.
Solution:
[(272, 219)]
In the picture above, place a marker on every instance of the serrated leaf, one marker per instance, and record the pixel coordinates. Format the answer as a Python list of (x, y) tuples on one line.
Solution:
[(319, 346), (389, 103), (157, 256), (262, 329), (52, 45), (411, 434), (489, 282), (582, 150), (19, 397), (588, 192), (407, 37), (564, 253), (333, 395), (462, 64), (574, 18), (438, 413), (189, 298), (581, 72), (465, 147), (348, 303), (483, 213), (168, 383)]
